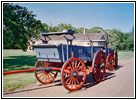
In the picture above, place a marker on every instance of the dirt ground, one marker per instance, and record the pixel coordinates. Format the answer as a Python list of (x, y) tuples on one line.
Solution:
[(118, 83)]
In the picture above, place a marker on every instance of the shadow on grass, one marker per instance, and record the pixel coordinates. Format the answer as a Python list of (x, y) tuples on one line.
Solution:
[(44, 86), (18, 62)]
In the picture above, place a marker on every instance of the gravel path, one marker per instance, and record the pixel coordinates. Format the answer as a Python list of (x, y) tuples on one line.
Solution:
[(118, 83)]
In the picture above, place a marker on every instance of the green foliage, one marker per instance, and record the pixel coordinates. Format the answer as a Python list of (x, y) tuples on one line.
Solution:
[(121, 41), (58, 28), (19, 25)]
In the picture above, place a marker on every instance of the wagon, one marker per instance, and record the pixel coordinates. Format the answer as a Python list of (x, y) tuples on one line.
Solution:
[(73, 61)]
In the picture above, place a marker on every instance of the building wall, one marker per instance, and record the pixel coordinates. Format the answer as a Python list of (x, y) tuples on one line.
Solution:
[(75, 42)]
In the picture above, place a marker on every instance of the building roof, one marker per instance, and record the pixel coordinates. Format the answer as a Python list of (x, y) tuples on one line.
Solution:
[(87, 36)]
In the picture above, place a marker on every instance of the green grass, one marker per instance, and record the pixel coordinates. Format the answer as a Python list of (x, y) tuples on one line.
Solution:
[(125, 55), (11, 82), (17, 60)]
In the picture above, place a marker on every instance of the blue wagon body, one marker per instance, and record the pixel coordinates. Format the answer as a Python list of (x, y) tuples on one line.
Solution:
[(60, 53)]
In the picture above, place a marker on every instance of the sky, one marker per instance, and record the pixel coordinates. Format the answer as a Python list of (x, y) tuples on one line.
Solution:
[(87, 15)]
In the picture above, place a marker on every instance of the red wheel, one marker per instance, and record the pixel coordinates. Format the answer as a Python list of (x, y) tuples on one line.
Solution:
[(44, 77), (110, 62), (73, 74), (116, 58), (99, 64)]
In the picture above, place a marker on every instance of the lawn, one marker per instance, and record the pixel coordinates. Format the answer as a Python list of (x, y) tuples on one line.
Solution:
[(125, 55), (19, 60)]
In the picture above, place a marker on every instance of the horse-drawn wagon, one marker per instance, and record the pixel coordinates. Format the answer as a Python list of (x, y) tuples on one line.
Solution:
[(73, 61)]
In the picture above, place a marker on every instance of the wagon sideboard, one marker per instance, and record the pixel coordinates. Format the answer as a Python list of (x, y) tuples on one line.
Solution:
[(60, 53)]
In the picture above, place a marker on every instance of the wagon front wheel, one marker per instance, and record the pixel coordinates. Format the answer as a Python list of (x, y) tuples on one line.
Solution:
[(99, 64), (73, 74), (44, 76)]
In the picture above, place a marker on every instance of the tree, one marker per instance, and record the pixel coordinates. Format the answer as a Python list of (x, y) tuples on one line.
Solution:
[(19, 25)]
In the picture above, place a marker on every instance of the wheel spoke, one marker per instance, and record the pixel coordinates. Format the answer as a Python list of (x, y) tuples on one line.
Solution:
[(50, 75), (98, 75), (41, 75), (74, 82), (70, 67), (53, 73), (80, 68), (68, 79), (42, 64), (81, 75), (40, 72), (45, 77), (102, 70), (82, 71), (69, 82), (72, 63), (67, 76), (77, 81), (76, 64), (80, 79), (45, 64)]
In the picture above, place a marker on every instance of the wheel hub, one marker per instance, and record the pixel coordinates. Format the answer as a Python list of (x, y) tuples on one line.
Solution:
[(48, 70), (74, 74), (100, 65)]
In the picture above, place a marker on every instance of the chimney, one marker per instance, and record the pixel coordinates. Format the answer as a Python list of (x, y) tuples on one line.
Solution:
[(84, 31)]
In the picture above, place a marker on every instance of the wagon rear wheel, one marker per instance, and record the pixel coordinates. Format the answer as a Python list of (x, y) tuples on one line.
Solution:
[(99, 64), (116, 58), (110, 62), (73, 74), (44, 76)]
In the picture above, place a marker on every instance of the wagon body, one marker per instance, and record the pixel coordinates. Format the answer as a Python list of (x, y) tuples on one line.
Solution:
[(61, 53)]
